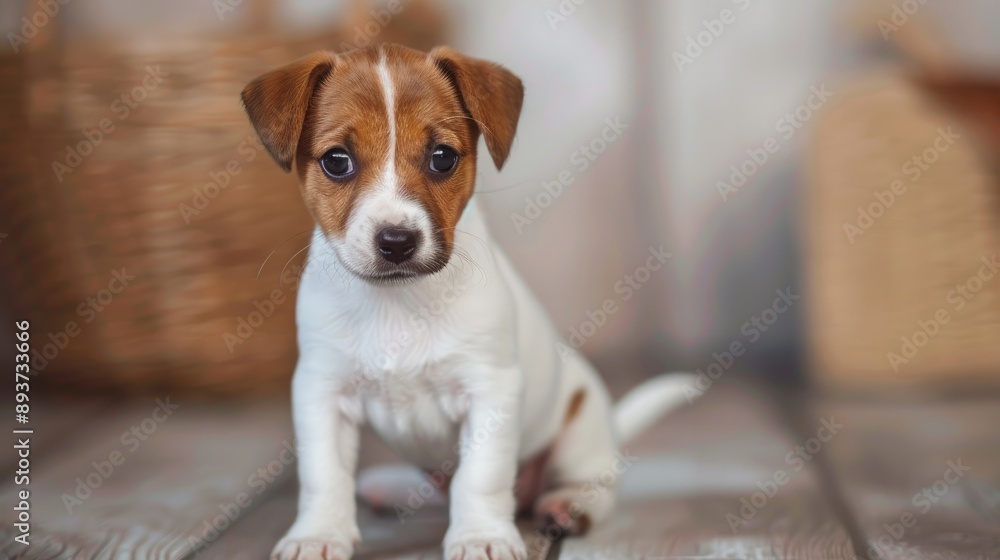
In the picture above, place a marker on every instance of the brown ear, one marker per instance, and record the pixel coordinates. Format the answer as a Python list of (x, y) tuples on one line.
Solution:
[(277, 103), (491, 94)]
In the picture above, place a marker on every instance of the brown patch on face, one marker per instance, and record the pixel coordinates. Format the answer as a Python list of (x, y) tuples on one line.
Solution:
[(340, 101), (575, 405), (429, 114), (583, 524), (348, 110)]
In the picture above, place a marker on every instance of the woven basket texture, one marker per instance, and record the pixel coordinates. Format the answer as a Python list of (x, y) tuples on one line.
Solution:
[(884, 267)]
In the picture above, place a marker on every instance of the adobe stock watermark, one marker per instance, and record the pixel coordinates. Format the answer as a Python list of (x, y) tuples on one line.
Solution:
[(264, 308), (564, 10), (786, 128), (230, 511), (87, 310), (32, 24), (378, 20), (893, 532), (130, 440), (796, 460), (121, 107), (624, 289), (225, 7), (914, 168), (901, 14), (362, 35), (696, 44), (958, 297), (645, 548), (581, 160), (219, 180), (753, 329)]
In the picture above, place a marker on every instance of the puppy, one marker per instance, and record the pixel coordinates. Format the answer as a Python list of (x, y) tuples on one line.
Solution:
[(410, 317)]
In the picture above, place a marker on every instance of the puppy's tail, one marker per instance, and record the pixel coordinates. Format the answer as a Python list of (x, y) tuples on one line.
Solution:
[(646, 403)]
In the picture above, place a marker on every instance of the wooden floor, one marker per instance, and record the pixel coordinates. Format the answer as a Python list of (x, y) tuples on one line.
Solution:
[(744, 472)]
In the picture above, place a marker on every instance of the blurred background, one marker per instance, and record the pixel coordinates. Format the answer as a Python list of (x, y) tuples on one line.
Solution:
[(749, 139), (778, 195)]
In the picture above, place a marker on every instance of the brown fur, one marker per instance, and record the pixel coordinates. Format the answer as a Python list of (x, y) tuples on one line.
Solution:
[(277, 102), (491, 95), (327, 100), (575, 405)]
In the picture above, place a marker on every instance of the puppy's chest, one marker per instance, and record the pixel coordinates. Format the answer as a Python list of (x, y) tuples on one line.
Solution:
[(400, 341), (407, 365), (418, 418), (411, 393)]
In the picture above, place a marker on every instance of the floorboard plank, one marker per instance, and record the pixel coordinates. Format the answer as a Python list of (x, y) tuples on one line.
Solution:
[(692, 470), (719, 479), (52, 421), (681, 496), (175, 473), (923, 478), (382, 534)]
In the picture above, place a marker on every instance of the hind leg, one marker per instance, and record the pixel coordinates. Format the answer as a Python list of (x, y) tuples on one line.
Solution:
[(584, 466)]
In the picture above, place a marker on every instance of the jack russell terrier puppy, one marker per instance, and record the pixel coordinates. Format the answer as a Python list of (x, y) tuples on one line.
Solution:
[(412, 319)]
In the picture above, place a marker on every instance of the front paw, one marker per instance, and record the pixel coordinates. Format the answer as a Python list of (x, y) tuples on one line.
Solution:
[(500, 542), (313, 548)]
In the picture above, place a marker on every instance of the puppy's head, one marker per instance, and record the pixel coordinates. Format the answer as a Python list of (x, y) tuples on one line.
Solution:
[(384, 143)]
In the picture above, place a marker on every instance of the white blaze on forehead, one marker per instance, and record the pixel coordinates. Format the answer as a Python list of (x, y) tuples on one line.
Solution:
[(389, 179), (385, 205)]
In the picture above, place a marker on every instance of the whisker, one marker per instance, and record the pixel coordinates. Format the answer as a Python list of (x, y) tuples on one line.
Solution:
[(297, 253), (479, 239), (464, 257), (501, 189), (457, 250), (482, 127), (276, 250)]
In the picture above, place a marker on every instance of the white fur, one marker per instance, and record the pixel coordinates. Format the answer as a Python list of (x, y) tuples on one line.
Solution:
[(460, 367), (637, 410), (459, 372)]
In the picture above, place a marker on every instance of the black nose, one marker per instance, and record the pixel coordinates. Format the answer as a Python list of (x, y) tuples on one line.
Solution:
[(397, 245)]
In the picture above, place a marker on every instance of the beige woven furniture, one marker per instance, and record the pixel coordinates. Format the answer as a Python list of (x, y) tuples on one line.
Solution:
[(902, 229)]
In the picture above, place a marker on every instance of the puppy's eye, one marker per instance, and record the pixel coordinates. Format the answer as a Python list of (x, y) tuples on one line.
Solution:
[(337, 164), (443, 159)]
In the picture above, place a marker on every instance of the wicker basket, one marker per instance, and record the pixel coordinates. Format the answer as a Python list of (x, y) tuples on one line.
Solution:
[(884, 268), (140, 202)]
